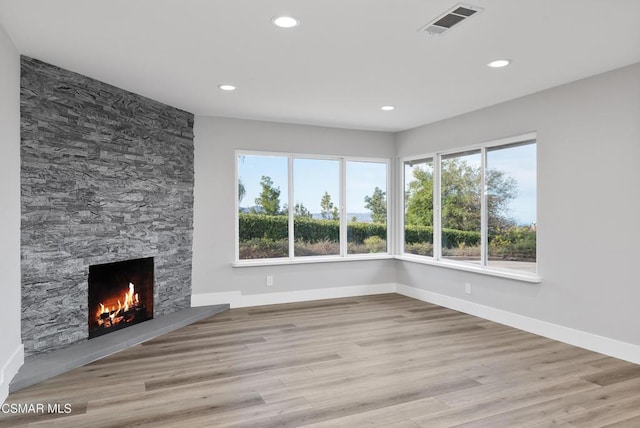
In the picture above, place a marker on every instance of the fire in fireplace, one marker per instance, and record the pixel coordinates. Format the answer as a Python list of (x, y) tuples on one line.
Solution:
[(120, 295)]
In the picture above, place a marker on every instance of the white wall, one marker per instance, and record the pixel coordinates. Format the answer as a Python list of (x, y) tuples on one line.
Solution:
[(11, 352), (216, 139), (588, 205)]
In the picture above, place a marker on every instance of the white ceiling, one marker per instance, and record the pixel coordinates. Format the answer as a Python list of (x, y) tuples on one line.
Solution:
[(345, 60)]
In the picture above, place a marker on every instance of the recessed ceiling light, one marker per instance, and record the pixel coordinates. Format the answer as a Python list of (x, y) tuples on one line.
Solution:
[(387, 108), (499, 63), (227, 87), (285, 22)]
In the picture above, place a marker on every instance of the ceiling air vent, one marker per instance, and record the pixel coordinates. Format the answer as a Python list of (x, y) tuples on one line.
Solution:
[(452, 17)]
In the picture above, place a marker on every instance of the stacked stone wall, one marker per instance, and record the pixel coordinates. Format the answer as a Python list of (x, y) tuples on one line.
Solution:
[(106, 175)]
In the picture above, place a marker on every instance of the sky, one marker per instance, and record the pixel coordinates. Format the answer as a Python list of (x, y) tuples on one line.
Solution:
[(520, 163), (312, 177)]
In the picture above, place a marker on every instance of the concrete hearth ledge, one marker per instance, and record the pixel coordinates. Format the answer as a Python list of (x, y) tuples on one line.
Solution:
[(49, 365)]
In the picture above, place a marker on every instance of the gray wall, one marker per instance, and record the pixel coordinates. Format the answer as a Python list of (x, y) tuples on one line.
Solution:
[(9, 212), (588, 204), (107, 175), (216, 139)]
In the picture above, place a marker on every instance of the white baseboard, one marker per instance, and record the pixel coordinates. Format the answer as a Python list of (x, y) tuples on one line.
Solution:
[(238, 300), (9, 370), (593, 342)]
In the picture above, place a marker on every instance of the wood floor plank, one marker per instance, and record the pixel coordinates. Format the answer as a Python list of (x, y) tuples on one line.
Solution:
[(511, 400), (632, 422), (384, 360), (396, 415), (618, 411), (245, 416), (359, 403), (189, 378), (615, 375), (168, 410), (544, 412)]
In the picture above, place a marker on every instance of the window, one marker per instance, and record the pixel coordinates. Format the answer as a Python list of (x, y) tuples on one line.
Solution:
[(460, 211), (448, 216), (316, 193), (263, 222), (418, 207), (511, 206), (366, 207), (305, 207)]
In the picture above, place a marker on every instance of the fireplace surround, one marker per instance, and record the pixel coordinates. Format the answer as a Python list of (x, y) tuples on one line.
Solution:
[(106, 176)]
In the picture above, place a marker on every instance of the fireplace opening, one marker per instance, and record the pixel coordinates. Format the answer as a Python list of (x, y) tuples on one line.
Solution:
[(120, 295)]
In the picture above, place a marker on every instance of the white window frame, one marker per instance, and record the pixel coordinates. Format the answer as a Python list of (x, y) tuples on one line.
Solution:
[(292, 259), (437, 258)]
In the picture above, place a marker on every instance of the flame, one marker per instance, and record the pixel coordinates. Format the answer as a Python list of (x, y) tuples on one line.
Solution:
[(107, 316), (131, 298)]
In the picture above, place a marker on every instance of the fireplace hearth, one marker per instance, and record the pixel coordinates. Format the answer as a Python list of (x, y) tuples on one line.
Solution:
[(120, 295)]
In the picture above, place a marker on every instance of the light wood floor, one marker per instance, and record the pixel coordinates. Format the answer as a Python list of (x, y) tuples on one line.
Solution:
[(385, 360)]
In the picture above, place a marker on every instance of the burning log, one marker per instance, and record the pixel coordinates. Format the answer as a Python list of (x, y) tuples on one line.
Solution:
[(109, 316)]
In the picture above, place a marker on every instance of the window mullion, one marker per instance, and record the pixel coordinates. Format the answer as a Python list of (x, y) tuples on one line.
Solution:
[(343, 211), (437, 211), (237, 207), (483, 209), (395, 207), (291, 208)]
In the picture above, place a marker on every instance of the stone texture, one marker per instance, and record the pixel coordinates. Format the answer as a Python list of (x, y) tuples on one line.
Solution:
[(106, 175)]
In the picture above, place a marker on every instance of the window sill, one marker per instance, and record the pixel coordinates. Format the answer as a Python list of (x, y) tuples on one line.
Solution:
[(310, 259), (518, 276), (525, 277)]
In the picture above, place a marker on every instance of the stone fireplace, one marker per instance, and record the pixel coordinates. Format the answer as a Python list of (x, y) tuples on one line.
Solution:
[(106, 176)]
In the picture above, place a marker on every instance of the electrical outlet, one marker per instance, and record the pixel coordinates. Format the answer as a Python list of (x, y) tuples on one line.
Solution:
[(269, 280), (467, 287)]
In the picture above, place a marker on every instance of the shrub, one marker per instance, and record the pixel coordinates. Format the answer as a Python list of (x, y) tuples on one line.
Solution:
[(462, 250), (380, 247), (262, 226), (316, 230), (256, 226), (419, 248), (319, 248), (358, 232), (417, 234), (515, 243), (263, 248), (266, 236), (375, 244), (451, 238)]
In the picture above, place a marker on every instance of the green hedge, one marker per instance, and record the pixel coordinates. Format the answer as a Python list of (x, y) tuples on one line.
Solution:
[(315, 230), (453, 238), (358, 232), (416, 234), (450, 237), (260, 226)]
